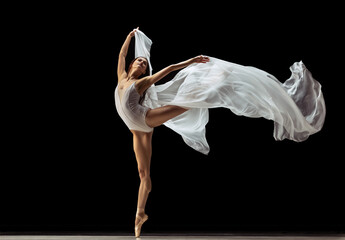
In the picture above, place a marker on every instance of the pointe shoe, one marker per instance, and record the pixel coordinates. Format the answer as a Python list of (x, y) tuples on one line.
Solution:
[(138, 226)]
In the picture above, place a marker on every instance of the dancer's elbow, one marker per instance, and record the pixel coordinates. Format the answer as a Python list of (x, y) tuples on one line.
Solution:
[(174, 67)]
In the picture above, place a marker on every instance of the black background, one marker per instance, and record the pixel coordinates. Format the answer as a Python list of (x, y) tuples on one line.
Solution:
[(68, 163)]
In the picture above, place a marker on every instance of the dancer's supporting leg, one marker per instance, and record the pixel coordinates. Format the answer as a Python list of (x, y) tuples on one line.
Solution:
[(142, 143)]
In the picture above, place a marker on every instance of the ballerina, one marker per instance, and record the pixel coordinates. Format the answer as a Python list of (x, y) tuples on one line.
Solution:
[(297, 107), (140, 119)]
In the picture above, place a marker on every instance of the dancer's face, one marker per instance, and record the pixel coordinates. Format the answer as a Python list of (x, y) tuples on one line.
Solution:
[(141, 64)]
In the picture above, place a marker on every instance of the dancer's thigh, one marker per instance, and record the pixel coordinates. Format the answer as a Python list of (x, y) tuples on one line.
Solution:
[(158, 116)]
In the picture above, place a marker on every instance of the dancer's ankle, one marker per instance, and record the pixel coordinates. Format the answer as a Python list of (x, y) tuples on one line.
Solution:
[(140, 211)]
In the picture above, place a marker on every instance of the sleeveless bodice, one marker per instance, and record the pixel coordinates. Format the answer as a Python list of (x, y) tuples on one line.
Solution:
[(129, 109)]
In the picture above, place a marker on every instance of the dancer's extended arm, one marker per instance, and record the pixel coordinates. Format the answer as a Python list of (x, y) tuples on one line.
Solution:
[(148, 81), (122, 56)]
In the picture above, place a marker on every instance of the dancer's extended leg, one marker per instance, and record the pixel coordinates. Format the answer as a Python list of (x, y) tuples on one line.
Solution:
[(158, 116)]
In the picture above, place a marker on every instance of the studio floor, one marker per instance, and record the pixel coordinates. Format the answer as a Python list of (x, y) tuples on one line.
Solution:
[(171, 237)]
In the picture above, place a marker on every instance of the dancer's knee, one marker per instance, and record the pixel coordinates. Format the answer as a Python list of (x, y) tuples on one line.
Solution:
[(145, 179)]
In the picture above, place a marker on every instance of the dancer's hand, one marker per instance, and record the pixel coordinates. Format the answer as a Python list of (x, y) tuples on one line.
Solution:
[(201, 59), (131, 34)]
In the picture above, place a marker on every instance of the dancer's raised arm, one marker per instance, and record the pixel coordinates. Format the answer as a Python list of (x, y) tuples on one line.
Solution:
[(122, 56), (174, 67), (146, 82)]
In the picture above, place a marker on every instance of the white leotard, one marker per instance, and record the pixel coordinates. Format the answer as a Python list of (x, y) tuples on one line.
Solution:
[(129, 109)]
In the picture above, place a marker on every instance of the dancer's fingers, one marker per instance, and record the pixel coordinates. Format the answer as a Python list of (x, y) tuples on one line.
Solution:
[(201, 59), (133, 31), (204, 59)]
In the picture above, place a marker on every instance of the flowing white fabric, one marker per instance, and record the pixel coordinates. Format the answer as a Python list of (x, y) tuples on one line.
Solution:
[(297, 107), (142, 47)]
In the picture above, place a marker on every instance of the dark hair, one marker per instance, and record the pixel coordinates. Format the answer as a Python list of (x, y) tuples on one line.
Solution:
[(143, 75), (147, 66)]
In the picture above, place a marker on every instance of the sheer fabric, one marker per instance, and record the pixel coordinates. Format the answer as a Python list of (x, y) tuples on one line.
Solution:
[(297, 106), (142, 47)]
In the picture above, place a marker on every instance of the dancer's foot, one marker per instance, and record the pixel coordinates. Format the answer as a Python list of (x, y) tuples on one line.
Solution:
[(139, 221)]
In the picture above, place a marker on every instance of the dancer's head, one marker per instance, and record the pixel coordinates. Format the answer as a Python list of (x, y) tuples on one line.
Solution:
[(139, 64)]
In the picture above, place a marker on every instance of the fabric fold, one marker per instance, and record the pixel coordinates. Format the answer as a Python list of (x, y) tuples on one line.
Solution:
[(296, 106), (142, 47)]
